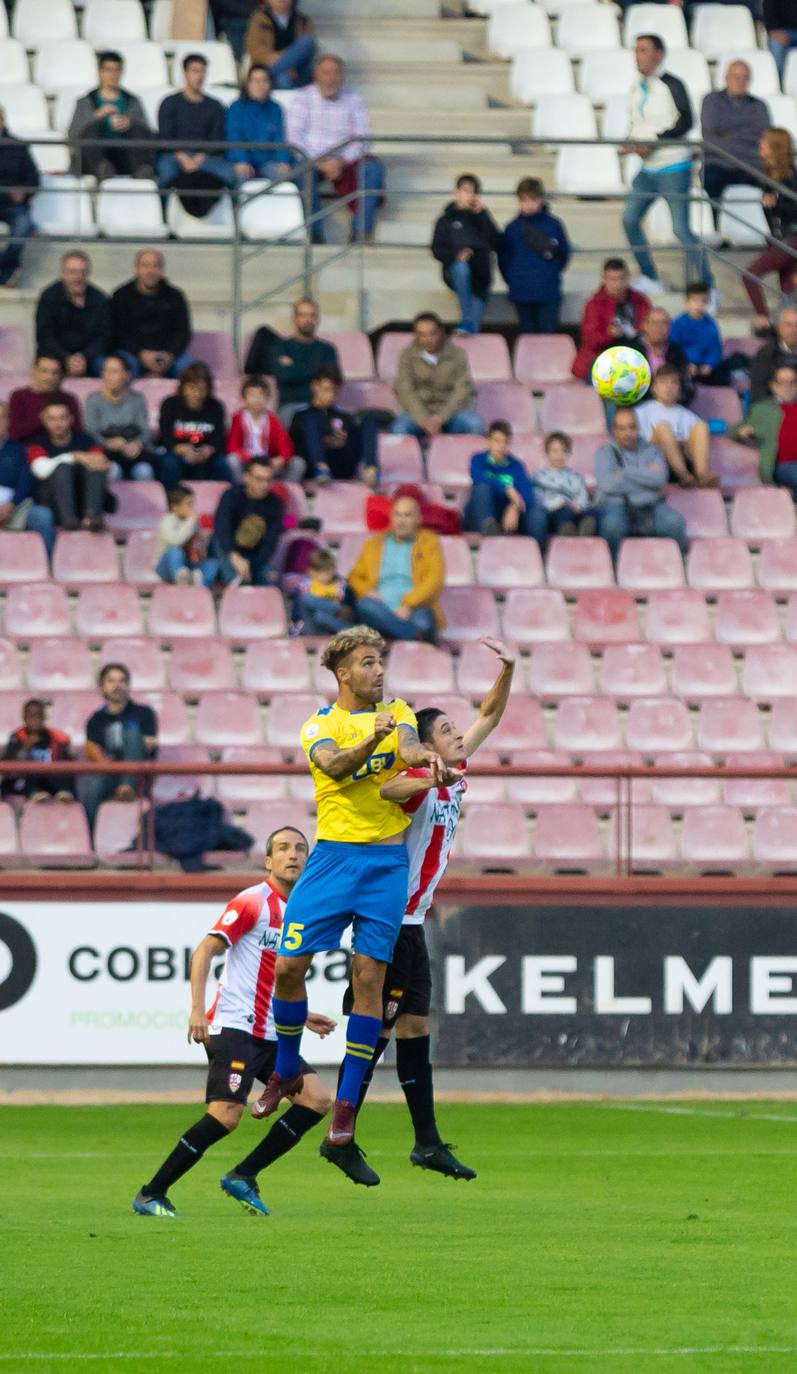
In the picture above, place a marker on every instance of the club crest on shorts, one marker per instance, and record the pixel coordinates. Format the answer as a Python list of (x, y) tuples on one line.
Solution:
[(390, 1010), (234, 1081)]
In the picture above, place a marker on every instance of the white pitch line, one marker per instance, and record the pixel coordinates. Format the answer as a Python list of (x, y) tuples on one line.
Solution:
[(736, 1115), (526, 1352)]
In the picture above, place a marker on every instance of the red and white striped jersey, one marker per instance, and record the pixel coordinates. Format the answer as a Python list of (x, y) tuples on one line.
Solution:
[(251, 926), (435, 815)]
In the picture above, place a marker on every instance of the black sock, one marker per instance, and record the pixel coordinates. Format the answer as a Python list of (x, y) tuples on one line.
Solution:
[(186, 1153), (282, 1137), (414, 1069)]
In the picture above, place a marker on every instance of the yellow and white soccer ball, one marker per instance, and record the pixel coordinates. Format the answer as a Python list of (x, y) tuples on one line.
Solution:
[(621, 375)]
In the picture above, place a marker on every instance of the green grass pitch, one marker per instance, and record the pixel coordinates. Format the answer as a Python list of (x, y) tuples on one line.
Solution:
[(606, 1238)]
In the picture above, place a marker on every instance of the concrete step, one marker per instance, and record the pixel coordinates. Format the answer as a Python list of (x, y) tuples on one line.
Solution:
[(362, 45), (469, 34), (435, 97), (478, 123), (364, 9), (491, 77)]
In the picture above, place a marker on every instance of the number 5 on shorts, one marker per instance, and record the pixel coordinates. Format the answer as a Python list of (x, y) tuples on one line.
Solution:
[(293, 935)]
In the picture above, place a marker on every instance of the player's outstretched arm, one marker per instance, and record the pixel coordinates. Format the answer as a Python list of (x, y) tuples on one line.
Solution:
[(341, 763), (494, 704), (206, 951)]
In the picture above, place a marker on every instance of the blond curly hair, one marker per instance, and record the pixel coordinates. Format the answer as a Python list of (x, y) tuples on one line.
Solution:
[(346, 641)]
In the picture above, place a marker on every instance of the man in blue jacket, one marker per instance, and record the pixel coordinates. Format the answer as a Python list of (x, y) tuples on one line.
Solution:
[(534, 253), (255, 118), (502, 496)]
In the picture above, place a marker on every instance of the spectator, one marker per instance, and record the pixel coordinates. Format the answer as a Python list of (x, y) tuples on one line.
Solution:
[(117, 117), (19, 178), (231, 18), (532, 256), (563, 492), (249, 521), (151, 319), (184, 119), (464, 239), (17, 508), (502, 497), (733, 119), (777, 156), (614, 315), (256, 432), (332, 127), (631, 475), (294, 361), (70, 471), (782, 348), (281, 39), (781, 31), (323, 601), (27, 402), (334, 445), (193, 431), (772, 425), (255, 118), (680, 434), (659, 348), (660, 109), (182, 554), (37, 742), (117, 419), (399, 576), (73, 319), (434, 387), (695, 332), (121, 730)]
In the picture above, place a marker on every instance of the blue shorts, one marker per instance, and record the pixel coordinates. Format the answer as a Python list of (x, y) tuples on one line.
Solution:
[(362, 885)]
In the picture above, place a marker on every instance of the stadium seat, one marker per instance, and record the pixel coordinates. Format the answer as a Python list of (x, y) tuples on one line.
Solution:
[(703, 511), (530, 449), (521, 727), (25, 110), (714, 837), (764, 81), (703, 670), (782, 727), (9, 840), (80, 558), (485, 791), (750, 793), (240, 789), (606, 617), (714, 565), (62, 207), (456, 707), (588, 171), (271, 212), (14, 347), (140, 506), (286, 717), (217, 224), (373, 395), (736, 465), (201, 665), (276, 665), (145, 64), (206, 497), (169, 707), (718, 29), (354, 353), (388, 351), (10, 667), (130, 205), (227, 718), (584, 724), (53, 835), (504, 563), (263, 817), (181, 612), (605, 72), (718, 403), (32, 18), (58, 665), (775, 838), (643, 838), (160, 23), (448, 460), (71, 710), (586, 28), (494, 836), (646, 565), (777, 566), (477, 667), (677, 617), (250, 613), (64, 63), (341, 508), (400, 458), (140, 557), (418, 667), (11, 704), (14, 63), (770, 671), (169, 787), (534, 790), (154, 390), (544, 358), (562, 116), (488, 356), (567, 837), (142, 656), (575, 408), (560, 670), (616, 115), (783, 114), (506, 401), (656, 725), (762, 513), (351, 544), (152, 97), (745, 618), (742, 219), (456, 557), (515, 27), (678, 793), (579, 564), (729, 724), (667, 22), (540, 72), (470, 613), (116, 836), (214, 347), (36, 610), (105, 26), (632, 670), (221, 69), (23, 558)]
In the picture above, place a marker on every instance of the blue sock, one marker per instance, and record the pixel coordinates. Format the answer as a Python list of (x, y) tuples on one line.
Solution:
[(362, 1034), (289, 1019)]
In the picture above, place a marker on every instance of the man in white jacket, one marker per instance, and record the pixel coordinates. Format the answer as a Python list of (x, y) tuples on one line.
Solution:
[(660, 110)]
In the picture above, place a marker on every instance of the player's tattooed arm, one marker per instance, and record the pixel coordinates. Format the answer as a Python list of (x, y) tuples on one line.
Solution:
[(417, 755), (206, 951), (341, 763), (494, 704)]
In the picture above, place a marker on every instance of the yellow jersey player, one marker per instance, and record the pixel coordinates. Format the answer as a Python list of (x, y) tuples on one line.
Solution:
[(357, 874)]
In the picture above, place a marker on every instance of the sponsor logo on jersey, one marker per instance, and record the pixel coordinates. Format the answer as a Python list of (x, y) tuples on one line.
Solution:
[(229, 918), (311, 730)]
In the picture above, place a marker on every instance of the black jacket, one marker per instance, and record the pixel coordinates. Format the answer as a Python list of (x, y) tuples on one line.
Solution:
[(160, 322), (457, 229), (179, 425), (62, 328), (310, 427), (232, 510), (17, 167), (683, 105), (779, 14)]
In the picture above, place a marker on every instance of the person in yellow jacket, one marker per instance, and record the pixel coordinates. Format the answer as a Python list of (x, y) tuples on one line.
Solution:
[(399, 575)]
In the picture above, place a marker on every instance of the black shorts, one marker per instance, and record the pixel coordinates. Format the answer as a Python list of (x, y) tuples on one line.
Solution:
[(235, 1060), (408, 981)]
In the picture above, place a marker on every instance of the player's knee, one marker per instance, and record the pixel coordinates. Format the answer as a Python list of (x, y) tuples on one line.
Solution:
[(368, 976), (412, 1027), (227, 1113), (315, 1096), (290, 977)]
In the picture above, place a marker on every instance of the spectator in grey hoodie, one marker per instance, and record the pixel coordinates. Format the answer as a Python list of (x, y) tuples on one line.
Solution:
[(631, 476), (563, 492), (115, 116), (116, 416)]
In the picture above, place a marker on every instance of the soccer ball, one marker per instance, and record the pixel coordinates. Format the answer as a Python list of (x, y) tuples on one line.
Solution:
[(621, 375)]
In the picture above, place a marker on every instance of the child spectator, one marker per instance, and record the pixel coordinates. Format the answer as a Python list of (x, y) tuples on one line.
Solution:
[(563, 491), (256, 432), (183, 550), (502, 496), (680, 434), (324, 603), (334, 445), (696, 332), (533, 254)]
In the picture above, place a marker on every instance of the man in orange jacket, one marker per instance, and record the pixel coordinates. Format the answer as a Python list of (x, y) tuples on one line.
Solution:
[(399, 575)]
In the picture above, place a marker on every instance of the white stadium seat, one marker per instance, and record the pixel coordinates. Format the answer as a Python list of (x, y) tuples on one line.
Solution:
[(783, 112), (218, 224), (151, 98), (742, 218), (160, 23), (3, 22), (49, 155), (62, 208), (564, 116), (540, 71), (665, 20), (221, 70), (690, 67), (616, 116), (275, 215), (107, 25), (790, 73), (65, 62), (489, 6), (130, 206), (764, 80), (588, 171), (224, 94), (32, 18), (25, 108), (718, 28), (586, 28), (604, 73), (14, 62), (64, 106), (517, 26), (145, 65)]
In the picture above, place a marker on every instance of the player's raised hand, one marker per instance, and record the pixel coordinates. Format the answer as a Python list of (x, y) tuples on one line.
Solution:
[(384, 725), (499, 648), (320, 1025), (197, 1027)]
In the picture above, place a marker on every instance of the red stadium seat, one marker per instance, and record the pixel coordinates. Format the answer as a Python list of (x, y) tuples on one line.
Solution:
[(647, 565), (23, 558), (777, 566), (703, 670), (249, 613), (201, 665), (703, 511), (544, 358), (169, 707), (323, 680), (354, 353), (486, 791), (341, 508), (79, 557), (9, 841), (488, 356), (714, 837), (240, 789), (116, 836), (477, 667), (762, 513), (155, 390), (457, 708), (10, 669), (140, 557), (448, 460), (729, 724), (109, 609), (356, 396), (494, 836), (504, 563), (750, 793), (169, 787), (584, 724), (536, 616), (507, 401), (142, 656), (276, 665), (54, 835), (782, 727), (530, 449), (717, 403), (181, 613), (140, 506), (389, 350), (791, 620), (535, 790), (567, 837), (577, 564), (214, 347), (632, 670), (775, 838), (574, 408), (287, 714), (716, 565), (349, 549), (227, 718), (770, 671), (36, 610), (656, 725), (418, 667), (14, 350), (559, 670), (677, 618), (606, 617), (522, 726), (70, 711), (736, 465), (652, 845), (57, 665), (206, 497), (11, 703), (263, 817), (582, 459), (605, 793), (744, 618), (457, 559), (400, 458), (678, 793), (470, 613)]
